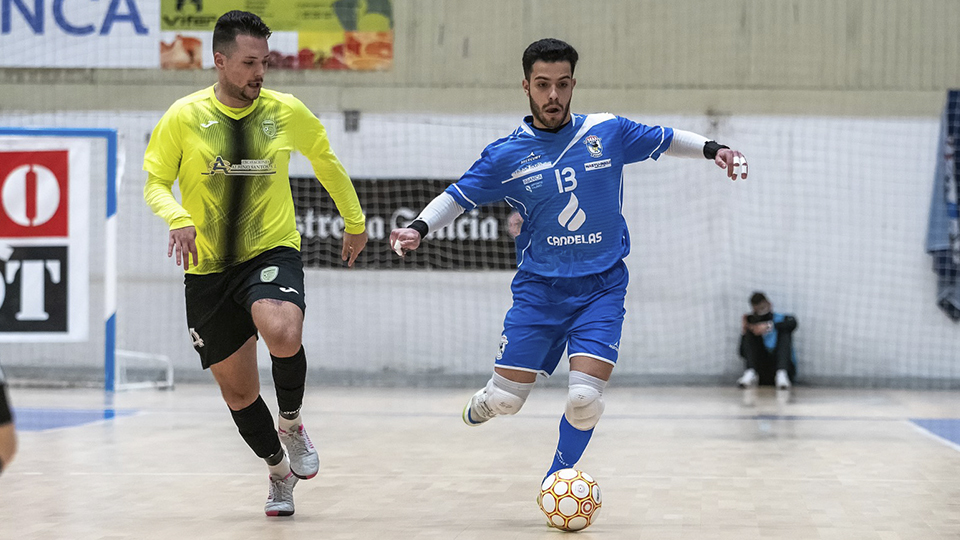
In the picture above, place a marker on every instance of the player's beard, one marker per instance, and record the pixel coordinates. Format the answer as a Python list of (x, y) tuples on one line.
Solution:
[(243, 93), (541, 117)]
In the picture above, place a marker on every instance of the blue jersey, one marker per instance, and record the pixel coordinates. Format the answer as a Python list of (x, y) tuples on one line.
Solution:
[(567, 186)]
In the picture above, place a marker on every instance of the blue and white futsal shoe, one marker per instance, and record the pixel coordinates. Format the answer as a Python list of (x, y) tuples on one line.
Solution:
[(476, 411)]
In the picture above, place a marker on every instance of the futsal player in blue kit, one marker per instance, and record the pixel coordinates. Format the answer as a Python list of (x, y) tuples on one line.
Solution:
[(563, 173)]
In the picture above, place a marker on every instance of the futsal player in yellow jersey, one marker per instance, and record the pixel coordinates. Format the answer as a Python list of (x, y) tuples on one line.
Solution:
[(236, 236)]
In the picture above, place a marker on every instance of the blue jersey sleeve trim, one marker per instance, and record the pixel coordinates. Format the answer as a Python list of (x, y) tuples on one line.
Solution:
[(666, 137), (464, 201)]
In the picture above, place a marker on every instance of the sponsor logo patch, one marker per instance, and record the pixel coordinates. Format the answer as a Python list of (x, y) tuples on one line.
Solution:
[(571, 239), (531, 157), (593, 165), (572, 216), (246, 167), (528, 169)]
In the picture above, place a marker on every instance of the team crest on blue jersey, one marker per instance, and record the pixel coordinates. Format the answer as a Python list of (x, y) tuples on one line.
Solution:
[(269, 128), (594, 145)]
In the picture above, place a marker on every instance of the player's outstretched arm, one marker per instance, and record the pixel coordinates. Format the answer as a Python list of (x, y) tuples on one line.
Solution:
[(439, 213), (689, 144)]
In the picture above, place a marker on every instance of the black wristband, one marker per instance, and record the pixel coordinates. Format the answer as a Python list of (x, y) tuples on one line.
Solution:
[(710, 149), (420, 226)]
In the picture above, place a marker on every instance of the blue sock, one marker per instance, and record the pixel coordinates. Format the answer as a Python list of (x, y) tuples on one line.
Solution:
[(570, 447)]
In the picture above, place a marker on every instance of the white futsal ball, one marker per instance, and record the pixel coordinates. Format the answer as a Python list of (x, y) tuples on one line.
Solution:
[(570, 499)]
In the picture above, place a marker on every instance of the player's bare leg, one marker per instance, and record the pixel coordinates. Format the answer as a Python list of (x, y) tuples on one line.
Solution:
[(8, 434), (588, 378), (239, 383), (8, 444), (281, 325), (504, 393)]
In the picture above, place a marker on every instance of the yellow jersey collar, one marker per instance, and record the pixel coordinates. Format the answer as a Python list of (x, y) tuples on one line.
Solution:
[(233, 112)]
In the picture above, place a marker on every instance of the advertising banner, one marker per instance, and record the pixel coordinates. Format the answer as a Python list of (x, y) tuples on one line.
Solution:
[(44, 239), (307, 34), (477, 240), (59, 34), (177, 34)]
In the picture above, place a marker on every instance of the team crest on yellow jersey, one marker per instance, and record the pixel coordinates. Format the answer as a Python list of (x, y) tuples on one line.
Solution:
[(269, 128), (246, 167)]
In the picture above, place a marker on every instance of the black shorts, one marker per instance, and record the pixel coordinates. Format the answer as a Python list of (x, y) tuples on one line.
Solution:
[(218, 305)]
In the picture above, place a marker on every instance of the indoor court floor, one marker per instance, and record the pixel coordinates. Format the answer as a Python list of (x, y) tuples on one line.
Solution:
[(673, 463)]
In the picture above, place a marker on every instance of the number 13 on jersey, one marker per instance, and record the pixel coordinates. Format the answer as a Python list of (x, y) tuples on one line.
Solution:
[(566, 180)]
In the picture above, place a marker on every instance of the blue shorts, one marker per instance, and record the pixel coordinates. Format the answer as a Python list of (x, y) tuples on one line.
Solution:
[(583, 315)]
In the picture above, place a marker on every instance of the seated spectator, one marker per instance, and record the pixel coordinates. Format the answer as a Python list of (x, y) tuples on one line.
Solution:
[(766, 345)]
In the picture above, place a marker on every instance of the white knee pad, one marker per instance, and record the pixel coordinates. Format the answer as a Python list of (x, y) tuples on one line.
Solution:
[(505, 396), (584, 406)]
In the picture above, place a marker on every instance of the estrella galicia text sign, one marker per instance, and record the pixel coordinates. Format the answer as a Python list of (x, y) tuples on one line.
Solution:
[(477, 240)]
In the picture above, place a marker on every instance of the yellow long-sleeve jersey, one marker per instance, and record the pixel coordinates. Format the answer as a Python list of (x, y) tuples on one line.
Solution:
[(233, 168)]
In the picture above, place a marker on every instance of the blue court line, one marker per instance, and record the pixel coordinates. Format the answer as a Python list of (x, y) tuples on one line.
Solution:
[(27, 419), (947, 429)]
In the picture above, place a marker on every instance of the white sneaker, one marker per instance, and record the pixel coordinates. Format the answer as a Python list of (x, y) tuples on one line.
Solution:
[(476, 411), (280, 499), (749, 379), (783, 381), (304, 461)]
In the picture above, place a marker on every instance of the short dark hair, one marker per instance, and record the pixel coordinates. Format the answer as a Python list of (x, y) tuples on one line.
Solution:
[(758, 298), (235, 23), (549, 50)]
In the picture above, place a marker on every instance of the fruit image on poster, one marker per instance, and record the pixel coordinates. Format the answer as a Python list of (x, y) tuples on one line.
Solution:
[(309, 34)]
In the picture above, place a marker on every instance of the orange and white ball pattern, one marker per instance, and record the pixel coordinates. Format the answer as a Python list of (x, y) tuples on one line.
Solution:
[(570, 499)]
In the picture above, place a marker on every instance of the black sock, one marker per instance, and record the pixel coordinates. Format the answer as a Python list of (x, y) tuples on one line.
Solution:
[(275, 459), (256, 427), (289, 377)]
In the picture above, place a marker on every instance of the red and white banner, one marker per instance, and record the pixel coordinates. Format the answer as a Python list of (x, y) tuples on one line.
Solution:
[(44, 239)]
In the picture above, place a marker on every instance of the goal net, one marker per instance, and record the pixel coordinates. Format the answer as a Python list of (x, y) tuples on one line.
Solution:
[(830, 225), (846, 221)]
